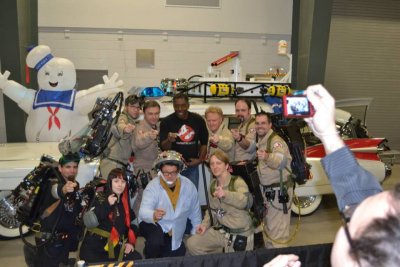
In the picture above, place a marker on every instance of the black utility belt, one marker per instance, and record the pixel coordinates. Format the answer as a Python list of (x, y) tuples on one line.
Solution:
[(275, 185), (55, 236), (229, 230)]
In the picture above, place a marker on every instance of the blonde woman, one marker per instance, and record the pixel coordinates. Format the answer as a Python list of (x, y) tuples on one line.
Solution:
[(232, 228)]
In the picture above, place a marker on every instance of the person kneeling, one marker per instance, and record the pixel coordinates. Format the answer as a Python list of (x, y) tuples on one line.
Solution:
[(169, 200), (233, 229), (109, 235)]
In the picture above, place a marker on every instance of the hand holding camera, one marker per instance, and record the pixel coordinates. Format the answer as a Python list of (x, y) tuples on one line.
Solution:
[(323, 122), (297, 106)]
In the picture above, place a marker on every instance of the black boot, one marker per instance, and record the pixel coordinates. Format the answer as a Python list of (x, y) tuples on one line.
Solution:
[(258, 240), (30, 254)]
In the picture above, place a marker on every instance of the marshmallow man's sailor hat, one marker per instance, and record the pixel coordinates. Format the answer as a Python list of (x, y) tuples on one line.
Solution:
[(38, 57)]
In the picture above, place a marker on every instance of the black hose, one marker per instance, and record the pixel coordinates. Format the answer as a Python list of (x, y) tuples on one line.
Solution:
[(194, 76), (203, 169)]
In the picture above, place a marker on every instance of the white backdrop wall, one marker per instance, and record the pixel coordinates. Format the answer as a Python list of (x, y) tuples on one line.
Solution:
[(179, 57), (104, 35), (98, 34), (250, 16)]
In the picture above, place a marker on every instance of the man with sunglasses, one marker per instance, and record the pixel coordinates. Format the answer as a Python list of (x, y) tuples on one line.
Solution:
[(371, 232)]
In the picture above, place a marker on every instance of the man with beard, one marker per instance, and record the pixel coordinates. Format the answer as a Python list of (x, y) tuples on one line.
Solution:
[(273, 169), (370, 234), (185, 132), (245, 132), (58, 232)]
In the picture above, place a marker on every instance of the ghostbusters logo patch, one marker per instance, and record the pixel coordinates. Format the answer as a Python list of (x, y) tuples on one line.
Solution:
[(186, 133), (277, 145)]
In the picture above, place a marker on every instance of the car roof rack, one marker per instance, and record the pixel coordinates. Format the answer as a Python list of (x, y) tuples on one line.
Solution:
[(229, 89)]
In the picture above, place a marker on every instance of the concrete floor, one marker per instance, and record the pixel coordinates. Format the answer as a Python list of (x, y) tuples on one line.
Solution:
[(318, 228)]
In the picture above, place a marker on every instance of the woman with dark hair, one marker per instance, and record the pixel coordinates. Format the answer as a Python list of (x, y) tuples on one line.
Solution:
[(109, 235)]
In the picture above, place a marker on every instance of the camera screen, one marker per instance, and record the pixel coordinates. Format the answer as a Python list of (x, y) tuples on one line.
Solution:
[(297, 105)]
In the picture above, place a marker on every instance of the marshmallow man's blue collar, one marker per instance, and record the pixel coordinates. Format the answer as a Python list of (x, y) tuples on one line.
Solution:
[(63, 99)]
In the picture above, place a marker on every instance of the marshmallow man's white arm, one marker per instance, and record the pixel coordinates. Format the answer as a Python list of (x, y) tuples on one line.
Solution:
[(85, 99), (17, 92)]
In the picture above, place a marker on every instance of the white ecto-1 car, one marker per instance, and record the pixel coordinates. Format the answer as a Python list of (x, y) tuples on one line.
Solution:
[(18, 159)]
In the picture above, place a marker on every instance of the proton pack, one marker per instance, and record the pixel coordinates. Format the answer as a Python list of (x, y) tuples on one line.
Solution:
[(102, 121), (249, 174), (289, 131), (93, 139), (27, 197)]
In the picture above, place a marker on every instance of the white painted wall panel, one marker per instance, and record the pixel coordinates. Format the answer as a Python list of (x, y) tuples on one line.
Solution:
[(179, 57), (250, 16)]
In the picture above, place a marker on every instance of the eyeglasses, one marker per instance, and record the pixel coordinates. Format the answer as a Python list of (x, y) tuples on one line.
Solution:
[(346, 214), (170, 174)]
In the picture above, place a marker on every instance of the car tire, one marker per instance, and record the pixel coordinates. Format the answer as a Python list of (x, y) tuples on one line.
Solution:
[(306, 205), (9, 226)]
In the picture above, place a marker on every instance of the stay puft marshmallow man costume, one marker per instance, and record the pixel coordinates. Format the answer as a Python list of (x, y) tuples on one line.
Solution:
[(56, 110)]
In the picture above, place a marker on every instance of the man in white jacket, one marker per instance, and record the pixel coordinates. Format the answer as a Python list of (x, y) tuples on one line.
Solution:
[(168, 201)]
